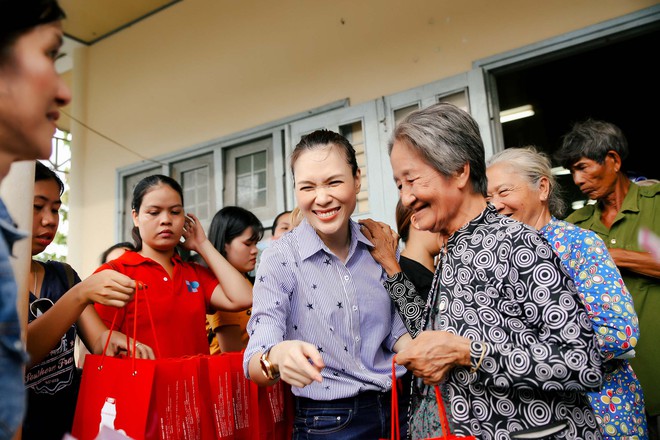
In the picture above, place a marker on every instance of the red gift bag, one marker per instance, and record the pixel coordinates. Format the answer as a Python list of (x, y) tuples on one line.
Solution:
[(245, 394), (444, 423), (217, 369), (180, 400), (264, 413), (275, 408), (115, 392)]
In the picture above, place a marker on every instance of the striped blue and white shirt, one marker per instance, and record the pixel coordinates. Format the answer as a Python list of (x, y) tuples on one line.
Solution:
[(302, 291)]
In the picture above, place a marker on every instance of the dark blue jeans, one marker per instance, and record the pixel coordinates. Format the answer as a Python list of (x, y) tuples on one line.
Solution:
[(363, 417)]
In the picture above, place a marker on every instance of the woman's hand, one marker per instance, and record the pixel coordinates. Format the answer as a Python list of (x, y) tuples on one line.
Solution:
[(386, 243), (299, 363), (107, 287), (120, 346), (432, 355), (193, 233)]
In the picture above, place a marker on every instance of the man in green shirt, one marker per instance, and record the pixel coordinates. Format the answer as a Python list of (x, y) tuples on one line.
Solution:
[(594, 152)]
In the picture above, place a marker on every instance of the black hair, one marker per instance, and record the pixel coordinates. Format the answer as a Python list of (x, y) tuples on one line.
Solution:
[(42, 172), (321, 138), (277, 221), (230, 222), (591, 139), (403, 219), (18, 17), (122, 245), (141, 189)]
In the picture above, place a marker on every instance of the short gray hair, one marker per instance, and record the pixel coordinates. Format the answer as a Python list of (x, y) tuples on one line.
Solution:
[(447, 137)]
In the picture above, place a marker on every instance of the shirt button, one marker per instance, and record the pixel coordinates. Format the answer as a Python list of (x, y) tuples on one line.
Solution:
[(346, 277), (613, 241), (355, 308), (357, 338), (164, 278)]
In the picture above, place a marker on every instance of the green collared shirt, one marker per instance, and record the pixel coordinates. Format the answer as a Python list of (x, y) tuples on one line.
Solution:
[(640, 208)]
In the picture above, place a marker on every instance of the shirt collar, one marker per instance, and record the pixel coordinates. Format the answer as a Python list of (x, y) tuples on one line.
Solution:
[(310, 243), (631, 202), (131, 258)]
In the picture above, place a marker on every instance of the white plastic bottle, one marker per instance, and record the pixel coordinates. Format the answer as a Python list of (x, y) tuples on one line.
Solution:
[(108, 413)]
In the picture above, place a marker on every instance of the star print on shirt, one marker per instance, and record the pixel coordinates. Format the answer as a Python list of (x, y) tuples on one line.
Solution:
[(339, 305), (320, 349), (314, 286), (327, 261), (310, 306), (284, 263), (262, 279)]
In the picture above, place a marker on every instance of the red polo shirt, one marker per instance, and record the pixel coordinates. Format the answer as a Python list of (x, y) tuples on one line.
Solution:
[(178, 304)]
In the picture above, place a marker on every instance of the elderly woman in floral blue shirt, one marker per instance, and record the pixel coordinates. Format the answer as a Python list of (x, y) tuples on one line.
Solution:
[(521, 186)]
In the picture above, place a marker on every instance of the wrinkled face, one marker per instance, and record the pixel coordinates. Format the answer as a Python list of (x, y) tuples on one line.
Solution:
[(283, 225), (45, 214), (513, 195), (31, 92), (160, 219), (595, 180), (326, 191), (242, 251), (433, 198)]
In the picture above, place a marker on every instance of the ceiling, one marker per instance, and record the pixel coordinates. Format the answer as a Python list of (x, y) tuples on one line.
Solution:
[(89, 21)]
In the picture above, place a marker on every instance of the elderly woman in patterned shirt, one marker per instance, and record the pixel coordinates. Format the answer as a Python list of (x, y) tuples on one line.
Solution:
[(521, 186), (503, 331)]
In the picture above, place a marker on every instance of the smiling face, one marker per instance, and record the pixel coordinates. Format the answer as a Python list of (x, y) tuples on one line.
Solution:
[(242, 251), (160, 219), (326, 191), (31, 92), (515, 197), (434, 198), (45, 214)]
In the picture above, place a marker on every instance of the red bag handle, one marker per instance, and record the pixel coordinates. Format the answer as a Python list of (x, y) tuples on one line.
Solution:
[(138, 286), (395, 430)]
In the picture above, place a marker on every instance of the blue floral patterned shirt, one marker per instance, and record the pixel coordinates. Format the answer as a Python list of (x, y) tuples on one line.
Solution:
[(619, 405)]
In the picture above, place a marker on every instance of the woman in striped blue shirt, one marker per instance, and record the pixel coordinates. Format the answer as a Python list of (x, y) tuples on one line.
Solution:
[(322, 320)]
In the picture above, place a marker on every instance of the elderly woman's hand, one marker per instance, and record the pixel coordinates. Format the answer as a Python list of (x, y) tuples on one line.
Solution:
[(432, 354), (385, 241)]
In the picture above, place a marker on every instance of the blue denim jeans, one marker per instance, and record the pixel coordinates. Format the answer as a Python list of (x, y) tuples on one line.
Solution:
[(363, 417)]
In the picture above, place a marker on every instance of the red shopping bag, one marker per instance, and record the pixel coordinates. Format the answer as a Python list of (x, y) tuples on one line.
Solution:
[(180, 400), (115, 392), (217, 369), (444, 423), (275, 408), (245, 394)]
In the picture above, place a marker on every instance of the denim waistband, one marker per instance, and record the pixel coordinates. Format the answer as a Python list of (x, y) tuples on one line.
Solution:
[(364, 398)]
